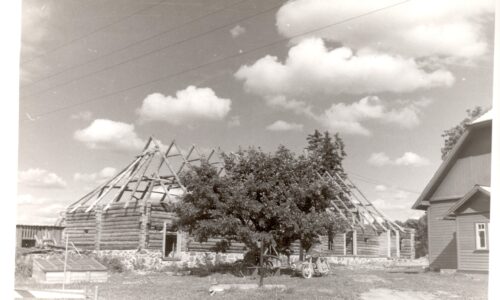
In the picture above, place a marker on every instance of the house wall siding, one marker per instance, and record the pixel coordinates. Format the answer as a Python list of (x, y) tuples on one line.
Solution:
[(470, 259), (442, 237), (463, 175)]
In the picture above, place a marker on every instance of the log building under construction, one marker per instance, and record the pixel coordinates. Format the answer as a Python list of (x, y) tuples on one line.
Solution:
[(131, 211)]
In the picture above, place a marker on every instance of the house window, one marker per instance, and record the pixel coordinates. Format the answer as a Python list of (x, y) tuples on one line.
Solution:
[(481, 236)]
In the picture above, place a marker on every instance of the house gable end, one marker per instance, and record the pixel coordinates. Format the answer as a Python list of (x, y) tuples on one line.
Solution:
[(470, 156)]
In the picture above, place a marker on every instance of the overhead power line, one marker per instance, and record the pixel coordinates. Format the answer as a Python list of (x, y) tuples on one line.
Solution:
[(125, 48), (102, 97), (91, 33), (155, 51), (378, 182)]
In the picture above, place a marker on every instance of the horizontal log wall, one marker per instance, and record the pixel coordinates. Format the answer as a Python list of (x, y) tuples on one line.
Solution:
[(120, 228), (210, 244), (368, 242), (135, 227), (408, 245), (81, 228)]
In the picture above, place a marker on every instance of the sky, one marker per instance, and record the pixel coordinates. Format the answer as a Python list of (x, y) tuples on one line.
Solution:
[(99, 77)]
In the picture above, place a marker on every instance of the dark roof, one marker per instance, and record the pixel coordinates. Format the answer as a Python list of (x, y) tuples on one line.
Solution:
[(421, 202), (56, 264), (476, 189)]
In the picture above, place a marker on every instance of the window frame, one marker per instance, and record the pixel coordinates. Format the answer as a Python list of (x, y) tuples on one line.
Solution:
[(477, 231)]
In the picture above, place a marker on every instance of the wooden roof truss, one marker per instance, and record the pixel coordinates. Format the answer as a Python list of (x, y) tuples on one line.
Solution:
[(152, 175), (354, 207)]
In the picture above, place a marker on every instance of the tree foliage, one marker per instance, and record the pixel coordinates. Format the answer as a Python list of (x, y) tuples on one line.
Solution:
[(452, 135), (274, 198), (420, 226), (325, 152)]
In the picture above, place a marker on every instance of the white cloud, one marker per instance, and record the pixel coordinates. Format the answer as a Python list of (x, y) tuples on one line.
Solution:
[(284, 126), (379, 159), (237, 31), (97, 177), (347, 118), (29, 199), (108, 134), (411, 159), (38, 210), (82, 115), (311, 68), (408, 159), (40, 178), (190, 104), (380, 188), (396, 203), (424, 28)]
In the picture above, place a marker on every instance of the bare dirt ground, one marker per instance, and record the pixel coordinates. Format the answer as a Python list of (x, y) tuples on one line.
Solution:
[(342, 283)]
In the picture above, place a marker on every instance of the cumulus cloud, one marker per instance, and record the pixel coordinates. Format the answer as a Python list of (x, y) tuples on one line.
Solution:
[(348, 118), (446, 28), (237, 31), (112, 135), (396, 203), (40, 178), (408, 159), (411, 159), (190, 104), (284, 126), (96, 177), (312, 68), (38, 210), (379, 159)]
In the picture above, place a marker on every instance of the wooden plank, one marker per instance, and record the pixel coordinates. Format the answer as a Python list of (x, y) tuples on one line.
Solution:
[(113, 182), (171, 170), (132, 172)]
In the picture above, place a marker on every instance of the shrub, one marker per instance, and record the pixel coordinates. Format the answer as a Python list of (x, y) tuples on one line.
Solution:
[(114, 264), (139, 263), (24, 266)]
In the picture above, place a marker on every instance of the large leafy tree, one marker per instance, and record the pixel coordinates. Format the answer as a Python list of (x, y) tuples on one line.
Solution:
[(264, 199), (452, 135)]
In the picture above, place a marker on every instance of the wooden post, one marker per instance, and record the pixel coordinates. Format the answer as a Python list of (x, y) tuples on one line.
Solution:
[(65, 261), (388, 243), (98, 227), (412, 244), (398, 244), (179, 243), (164, 237), (145, 216), (344, 237), (354, 243), (261, 264)]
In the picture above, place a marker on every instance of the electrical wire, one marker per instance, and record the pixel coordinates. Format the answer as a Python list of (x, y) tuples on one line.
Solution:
[(125, 48), (378, 182), (91, 33), (102, 97)]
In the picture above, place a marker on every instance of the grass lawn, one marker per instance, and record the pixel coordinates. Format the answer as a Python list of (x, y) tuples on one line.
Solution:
[(342, 283)]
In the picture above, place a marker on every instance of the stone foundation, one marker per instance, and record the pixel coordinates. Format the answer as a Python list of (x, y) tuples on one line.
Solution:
[(152, 260)]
